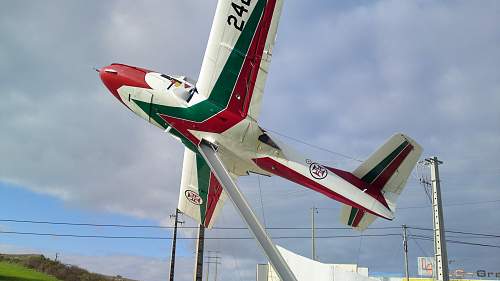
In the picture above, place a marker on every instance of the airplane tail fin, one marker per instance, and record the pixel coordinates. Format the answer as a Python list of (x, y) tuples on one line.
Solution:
[(385, 172)]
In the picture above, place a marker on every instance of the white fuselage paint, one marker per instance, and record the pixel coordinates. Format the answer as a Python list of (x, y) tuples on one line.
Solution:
[(239, 145)]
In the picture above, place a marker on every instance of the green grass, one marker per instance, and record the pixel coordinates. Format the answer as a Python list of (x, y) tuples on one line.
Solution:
[(14, 272)]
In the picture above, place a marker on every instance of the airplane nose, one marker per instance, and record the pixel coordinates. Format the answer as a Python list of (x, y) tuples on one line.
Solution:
[(116, 76), (110, 78)]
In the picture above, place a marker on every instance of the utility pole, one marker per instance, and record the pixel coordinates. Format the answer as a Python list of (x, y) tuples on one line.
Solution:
[(314, 210), (441, 257), (174, 242), (405, 249), (198, 268), (213, 259)]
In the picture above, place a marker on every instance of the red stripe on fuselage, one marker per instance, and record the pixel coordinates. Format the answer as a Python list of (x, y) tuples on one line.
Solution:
[(283, 171), (237, 108), (357, 182), (374, 189)]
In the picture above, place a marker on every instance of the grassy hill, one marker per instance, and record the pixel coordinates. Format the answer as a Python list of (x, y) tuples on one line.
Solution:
[(40, 268), (15, 272)]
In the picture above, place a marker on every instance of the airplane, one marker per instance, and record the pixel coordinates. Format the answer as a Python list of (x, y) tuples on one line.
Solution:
[(222, 109)]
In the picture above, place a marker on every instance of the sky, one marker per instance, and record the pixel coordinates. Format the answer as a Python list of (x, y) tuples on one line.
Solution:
[(345, 76)]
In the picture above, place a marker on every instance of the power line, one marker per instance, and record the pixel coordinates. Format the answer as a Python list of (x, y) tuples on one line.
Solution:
[(232, 228), (315, 146), (473, 244), (476, 234), (446, 205), (419, 237), (429, 238), (186, 238), (454, 204), (91, 224), (418, 244), (458, 232), (261, 202), (170, 227)]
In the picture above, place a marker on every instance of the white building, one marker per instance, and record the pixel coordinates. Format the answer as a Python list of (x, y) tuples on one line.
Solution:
[(306, 269)]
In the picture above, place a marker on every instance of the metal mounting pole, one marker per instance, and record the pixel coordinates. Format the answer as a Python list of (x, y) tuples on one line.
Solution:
[(441, 256), (198, 268), (209, 153)]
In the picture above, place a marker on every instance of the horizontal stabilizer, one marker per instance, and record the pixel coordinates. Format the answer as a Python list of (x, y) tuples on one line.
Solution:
[(356, 218)]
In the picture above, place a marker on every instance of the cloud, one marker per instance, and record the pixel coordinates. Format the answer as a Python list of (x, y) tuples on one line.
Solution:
[(64, 134)]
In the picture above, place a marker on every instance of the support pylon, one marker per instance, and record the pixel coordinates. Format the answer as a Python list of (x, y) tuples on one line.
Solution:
[(198, 268)]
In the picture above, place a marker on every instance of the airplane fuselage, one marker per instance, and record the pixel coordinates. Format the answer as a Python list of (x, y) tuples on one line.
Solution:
[(172, 104)]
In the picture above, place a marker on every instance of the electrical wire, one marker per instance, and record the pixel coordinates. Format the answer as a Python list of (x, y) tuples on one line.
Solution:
[(478, 235), (185, 238), (232, 228), (169, 227), (261, 202), (233, 257), (316, 146), (472, 233), (454, 204), (359, 248), (418, 244), (428, 238), (458, 232)]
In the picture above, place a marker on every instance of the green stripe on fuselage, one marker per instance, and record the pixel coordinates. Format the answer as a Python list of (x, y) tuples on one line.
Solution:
[(380, 167), (145, 106)]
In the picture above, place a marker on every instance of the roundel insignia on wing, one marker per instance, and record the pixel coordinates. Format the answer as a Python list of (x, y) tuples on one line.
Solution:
[(318, 171), (193, 197)]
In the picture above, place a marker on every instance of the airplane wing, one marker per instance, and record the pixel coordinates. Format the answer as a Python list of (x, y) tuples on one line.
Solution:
[(201, 196), (238, 54)]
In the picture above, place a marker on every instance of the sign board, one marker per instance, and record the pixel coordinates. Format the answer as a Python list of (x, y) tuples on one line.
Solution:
[(425, 266)]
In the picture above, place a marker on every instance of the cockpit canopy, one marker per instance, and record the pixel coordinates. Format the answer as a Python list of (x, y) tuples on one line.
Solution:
[(182, 86)]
